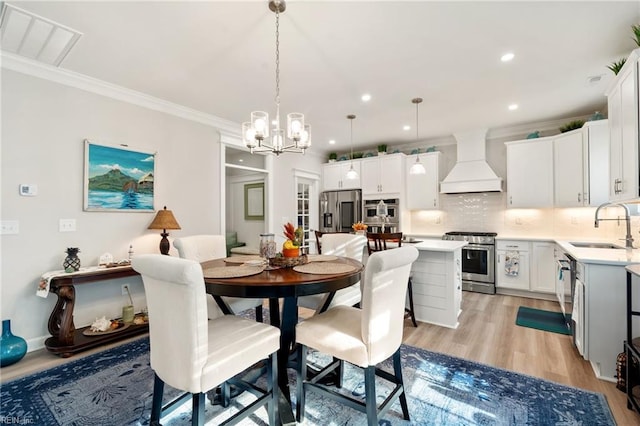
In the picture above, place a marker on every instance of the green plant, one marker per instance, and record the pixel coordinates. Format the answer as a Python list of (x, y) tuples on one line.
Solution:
[(382, 148), (575, 124), (333, 156), (358, 154), (636, 33), (617, 65)]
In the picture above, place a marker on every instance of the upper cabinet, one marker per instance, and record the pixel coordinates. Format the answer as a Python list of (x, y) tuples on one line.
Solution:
[(334, 175), (423, 192), (622, 99), (530, 173), (581, 165), (383, 176)]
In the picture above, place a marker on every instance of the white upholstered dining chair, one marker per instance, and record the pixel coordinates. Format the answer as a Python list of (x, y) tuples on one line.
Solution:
[(345, 245), (363, 337), (208, 247), (194, 354)]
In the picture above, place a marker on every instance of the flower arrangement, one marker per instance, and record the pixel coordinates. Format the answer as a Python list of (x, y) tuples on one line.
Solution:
[(359, 226), (294, 236)]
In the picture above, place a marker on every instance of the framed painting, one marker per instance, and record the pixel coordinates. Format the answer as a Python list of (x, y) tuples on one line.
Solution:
[(254, 201), (117, 178)]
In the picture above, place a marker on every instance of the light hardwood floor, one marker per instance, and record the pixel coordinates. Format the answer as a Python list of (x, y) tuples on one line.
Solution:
[(487, 334)]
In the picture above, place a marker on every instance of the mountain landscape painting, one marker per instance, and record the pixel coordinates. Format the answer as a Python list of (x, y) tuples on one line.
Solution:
[(118, 179)]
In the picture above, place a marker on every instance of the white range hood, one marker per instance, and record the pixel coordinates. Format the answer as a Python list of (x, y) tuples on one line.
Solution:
[(471, 172)]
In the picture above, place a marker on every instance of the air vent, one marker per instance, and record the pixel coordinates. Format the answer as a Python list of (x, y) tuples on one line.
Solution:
[(35, 37)]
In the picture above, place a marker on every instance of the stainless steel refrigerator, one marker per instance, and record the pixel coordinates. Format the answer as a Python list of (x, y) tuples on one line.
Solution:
[(339, 210)]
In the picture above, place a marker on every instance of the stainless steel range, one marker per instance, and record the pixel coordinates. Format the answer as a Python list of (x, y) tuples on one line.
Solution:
[(478, 260)]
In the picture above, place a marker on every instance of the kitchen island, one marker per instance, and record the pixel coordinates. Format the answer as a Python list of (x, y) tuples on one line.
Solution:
[(437, 282)]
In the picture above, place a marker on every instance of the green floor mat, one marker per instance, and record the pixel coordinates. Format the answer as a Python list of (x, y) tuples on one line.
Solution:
[(542, 320)]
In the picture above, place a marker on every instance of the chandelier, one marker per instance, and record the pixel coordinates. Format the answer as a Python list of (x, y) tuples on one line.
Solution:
[(257, 133), (417, 168)]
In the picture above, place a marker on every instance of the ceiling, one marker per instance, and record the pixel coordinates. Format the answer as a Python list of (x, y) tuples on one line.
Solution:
[(219, 58)]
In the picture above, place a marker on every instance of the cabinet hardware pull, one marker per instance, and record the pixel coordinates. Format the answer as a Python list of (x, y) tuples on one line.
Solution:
[(579, 200), (510, 199)]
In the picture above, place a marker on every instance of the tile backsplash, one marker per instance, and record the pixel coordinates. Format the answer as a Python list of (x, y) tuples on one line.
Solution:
[(487, 212)]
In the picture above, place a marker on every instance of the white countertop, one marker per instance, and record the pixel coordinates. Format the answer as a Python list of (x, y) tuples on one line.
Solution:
[(599, 255), (437, 245)]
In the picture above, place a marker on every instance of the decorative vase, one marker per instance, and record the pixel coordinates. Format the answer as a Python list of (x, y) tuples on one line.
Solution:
[(72, 261), (12, 348)]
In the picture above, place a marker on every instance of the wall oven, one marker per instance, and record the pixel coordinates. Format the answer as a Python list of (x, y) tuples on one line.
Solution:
[(478, 260), (377, 224)]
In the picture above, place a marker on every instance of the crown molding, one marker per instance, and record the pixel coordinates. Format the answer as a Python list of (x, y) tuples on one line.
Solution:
[(76, 80)]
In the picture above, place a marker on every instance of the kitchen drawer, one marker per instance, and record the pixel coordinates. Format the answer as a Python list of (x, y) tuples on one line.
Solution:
[(512, 245)]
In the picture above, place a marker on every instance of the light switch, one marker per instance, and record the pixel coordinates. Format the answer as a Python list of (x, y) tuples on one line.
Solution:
[(9, 227), (67, 225), (28, 189)]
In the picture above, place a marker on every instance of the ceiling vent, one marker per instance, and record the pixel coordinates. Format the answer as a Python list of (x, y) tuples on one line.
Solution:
[(35, 37)]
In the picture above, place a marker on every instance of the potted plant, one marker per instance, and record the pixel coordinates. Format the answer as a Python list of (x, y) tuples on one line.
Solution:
[(333, 156), (636, 33), (358, 154), (617, 65), (572, 125), (382, 149)]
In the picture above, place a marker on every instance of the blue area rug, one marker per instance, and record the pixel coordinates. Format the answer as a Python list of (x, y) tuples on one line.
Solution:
[(114, 387)]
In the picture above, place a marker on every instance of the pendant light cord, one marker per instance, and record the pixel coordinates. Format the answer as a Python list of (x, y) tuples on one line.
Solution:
[(278, 69)]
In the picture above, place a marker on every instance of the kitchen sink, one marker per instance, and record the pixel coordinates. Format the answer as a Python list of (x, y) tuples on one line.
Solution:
[(596, 245)]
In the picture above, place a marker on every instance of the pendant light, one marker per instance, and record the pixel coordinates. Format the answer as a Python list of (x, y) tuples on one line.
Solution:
[(351, 174), (417, 168), (256, 132)]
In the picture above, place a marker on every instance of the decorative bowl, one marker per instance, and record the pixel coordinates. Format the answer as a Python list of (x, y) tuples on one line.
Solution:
[(288, 262), (292, 252)]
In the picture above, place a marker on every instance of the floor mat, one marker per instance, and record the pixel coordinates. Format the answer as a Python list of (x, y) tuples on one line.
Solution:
[(542, 320)]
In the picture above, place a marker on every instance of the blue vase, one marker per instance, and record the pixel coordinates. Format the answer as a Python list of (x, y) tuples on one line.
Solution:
[(12, 348)]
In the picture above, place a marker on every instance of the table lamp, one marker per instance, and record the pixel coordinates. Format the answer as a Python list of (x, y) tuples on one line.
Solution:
[(164, 220)]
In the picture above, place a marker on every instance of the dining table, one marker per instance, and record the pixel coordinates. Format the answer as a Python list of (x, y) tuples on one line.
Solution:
[(322, 274)]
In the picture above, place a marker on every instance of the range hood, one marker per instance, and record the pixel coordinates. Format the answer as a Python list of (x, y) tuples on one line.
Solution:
[(471, 172)]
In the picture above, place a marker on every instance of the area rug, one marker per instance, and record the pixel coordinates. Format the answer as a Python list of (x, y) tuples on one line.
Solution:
[(542, 320), (115, 388)]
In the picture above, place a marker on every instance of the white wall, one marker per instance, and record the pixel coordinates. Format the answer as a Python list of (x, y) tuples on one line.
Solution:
[(248, 230), (43, 128)]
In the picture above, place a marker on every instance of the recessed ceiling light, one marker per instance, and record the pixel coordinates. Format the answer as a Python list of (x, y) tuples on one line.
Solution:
[(406, 127), (240, 160), (513, 107), (366, 97), (332, 142), (507, 57)]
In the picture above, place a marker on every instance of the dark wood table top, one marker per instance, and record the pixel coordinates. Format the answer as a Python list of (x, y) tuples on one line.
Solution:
[(282, 282)]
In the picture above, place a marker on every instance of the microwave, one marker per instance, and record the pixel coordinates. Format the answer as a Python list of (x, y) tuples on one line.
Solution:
[(371, 210)]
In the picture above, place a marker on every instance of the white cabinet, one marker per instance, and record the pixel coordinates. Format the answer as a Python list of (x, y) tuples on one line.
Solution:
[(383, 175), (423, 192), (622, 99), (581, 166), (437, 287), (512, 264), (530, 173), (334, 175), (543, 272)]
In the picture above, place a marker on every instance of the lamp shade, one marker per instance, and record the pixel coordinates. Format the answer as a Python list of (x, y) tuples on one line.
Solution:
[(164, 220)]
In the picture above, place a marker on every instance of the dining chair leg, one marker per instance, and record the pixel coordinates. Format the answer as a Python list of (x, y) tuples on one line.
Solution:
[(397, 370), (259, 317), (225, 394), (197, 410), (301, 375), (339, 372), (272, 386), (370, 395), (410, 310), (156, 404)]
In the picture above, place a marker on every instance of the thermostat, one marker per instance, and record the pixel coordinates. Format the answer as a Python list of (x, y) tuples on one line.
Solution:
[(28, 189)]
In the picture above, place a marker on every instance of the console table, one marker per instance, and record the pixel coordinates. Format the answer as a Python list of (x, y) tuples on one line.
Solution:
[(65, 339)]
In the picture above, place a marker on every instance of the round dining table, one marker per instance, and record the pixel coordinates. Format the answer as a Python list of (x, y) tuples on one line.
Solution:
[(280, 283)]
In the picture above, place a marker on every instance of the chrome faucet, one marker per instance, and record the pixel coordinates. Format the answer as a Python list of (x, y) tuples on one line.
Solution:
[(627, 217)]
